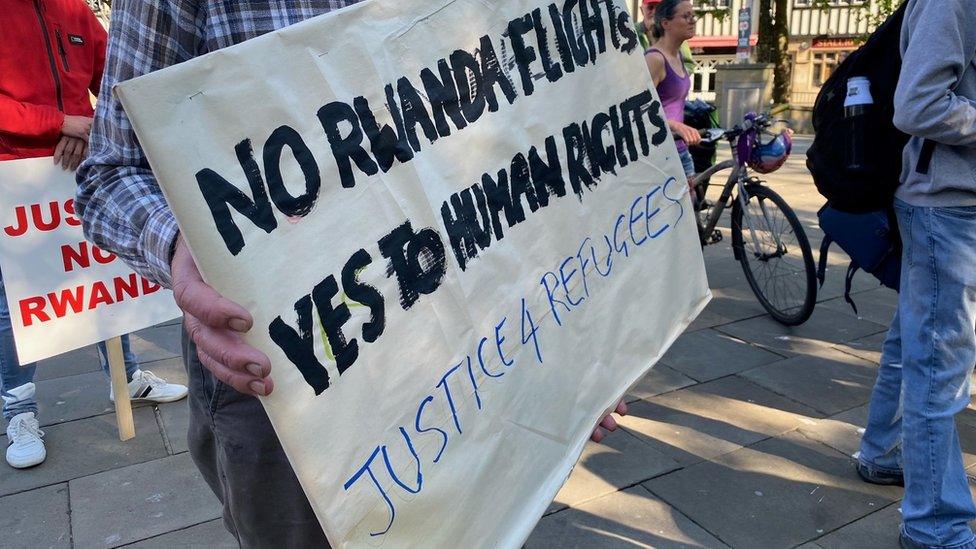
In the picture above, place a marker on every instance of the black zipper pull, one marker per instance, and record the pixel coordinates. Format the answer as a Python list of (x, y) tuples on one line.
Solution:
[(61, 50)]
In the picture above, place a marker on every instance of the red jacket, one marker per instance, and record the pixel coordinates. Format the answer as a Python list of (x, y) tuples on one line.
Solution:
[(52, 53)]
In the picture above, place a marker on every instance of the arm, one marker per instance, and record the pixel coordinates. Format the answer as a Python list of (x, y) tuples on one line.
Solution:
[(30, 120), (655, 64), (122, 207), (119, 201), (941, 45)]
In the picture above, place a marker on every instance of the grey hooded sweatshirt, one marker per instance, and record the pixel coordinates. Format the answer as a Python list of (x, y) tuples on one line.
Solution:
[(936, 101)]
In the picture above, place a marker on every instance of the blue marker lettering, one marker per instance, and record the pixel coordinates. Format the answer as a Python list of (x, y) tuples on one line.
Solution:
[(609, 258), (583, 263), (633, 220), (681, 208), (526, 315), (366, 469), (389, 467), (417, 426), (499, 339), (566, 279), (651, 214), (552, 299), (616, 243), (474, 383), (481, 359), (450, 401)]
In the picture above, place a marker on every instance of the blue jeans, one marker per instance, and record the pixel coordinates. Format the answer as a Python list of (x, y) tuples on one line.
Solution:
[(17, 382), (924, 378), (687, 162)]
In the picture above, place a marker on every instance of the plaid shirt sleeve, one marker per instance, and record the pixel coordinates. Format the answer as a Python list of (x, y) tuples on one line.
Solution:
[(119, 201)]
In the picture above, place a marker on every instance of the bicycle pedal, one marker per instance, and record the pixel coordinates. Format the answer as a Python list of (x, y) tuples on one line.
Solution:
[(715, 237)]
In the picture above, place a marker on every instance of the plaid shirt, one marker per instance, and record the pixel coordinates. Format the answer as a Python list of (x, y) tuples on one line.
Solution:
[(119, 200)]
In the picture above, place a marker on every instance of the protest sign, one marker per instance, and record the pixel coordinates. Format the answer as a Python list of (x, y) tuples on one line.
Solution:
[(64, 292), (463, 231)]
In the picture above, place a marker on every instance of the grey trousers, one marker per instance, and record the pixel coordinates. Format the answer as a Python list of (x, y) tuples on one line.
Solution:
[(237, 451)]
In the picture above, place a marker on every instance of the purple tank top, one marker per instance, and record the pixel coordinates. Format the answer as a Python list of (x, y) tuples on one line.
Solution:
[(673, 91)]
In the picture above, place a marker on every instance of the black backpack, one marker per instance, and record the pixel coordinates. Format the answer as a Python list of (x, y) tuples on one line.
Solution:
[(872, 189), (858, 215)]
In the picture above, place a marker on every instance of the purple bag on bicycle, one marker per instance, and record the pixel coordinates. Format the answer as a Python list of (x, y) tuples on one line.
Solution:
[(870, 239)]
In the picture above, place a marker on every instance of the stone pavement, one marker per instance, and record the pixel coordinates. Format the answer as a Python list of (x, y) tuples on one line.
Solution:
[(740, 437)]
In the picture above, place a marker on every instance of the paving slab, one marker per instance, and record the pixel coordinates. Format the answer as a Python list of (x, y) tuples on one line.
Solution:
[(734, 303), (879, 530), (711, 419), (878, 305), (708, 319), (211, 535), (825, 327), (708, 354), (174, 420), (140, 502), (38, 518), (842, 432), (661, 379), (630, 518), (830, 382), (157, 343), (79, 361), (868, 348), (621, 461), (780, 492), (74, 397), (85, 447)]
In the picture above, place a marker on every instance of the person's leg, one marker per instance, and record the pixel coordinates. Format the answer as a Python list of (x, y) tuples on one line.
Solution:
[(937, 304), (879, 458), (16, 380), (238, 453), (144, 386), (131, 362)]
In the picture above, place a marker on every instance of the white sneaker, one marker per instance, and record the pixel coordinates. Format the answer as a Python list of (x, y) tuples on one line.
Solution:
[(147, 387), (26, 447)]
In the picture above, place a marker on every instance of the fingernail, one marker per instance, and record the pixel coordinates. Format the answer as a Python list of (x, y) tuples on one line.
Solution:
[(238, 325), (257, 387), (255, 370)]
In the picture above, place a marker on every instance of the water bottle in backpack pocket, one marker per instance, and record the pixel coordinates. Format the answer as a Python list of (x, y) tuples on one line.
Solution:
[(857, 113)]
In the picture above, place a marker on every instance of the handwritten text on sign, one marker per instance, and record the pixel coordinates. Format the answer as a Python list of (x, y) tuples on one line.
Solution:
[(62, 291), (502, 173)]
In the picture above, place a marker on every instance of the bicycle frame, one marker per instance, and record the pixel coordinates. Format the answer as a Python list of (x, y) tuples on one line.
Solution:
[(737, 180)]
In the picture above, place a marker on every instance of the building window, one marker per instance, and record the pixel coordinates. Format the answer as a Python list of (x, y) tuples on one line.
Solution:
[(802, 3), (823, 65)]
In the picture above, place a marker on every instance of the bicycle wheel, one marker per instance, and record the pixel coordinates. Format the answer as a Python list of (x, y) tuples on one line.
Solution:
[(769, 241)]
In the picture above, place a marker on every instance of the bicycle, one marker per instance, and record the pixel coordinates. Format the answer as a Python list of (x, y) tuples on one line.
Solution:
[(767, 237)]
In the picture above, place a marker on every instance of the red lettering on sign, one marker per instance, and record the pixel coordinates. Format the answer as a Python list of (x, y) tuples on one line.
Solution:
[(73, 298), (20, 228), (83, 256), (33, 307), (70, 256), (69, 208), (129, 286), (149, 287), (99, 295), (38, 216)]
